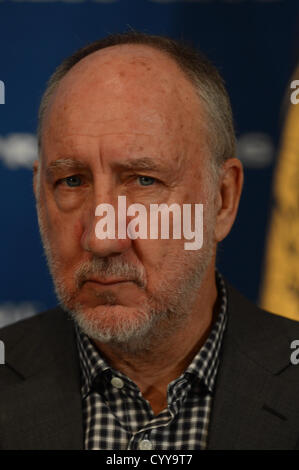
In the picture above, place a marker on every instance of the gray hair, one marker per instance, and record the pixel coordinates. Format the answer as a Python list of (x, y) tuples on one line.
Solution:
[(198, 69)]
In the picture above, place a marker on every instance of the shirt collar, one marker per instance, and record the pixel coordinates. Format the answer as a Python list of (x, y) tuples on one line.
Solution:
[(93, 365), (204, 365)]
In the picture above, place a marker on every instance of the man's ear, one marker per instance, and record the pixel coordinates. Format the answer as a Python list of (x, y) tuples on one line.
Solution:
[(35, 176), (228, 197)]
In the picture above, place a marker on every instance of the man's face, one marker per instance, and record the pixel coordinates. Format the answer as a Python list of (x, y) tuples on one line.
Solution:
[(124, 122)]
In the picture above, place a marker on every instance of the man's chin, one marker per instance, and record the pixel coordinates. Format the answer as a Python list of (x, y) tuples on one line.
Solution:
[(113, 323)]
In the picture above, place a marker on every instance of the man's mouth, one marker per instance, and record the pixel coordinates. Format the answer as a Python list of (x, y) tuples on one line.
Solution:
[(107, 281)]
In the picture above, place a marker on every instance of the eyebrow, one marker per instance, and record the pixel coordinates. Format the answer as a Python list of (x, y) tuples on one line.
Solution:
[(145, 163), (64, 164)]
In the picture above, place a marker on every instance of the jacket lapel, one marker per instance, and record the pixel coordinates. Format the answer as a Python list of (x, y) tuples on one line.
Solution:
[(252, 406)]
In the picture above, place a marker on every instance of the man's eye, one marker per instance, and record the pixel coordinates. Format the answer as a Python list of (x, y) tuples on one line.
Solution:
[(72, 181), (146, 180)]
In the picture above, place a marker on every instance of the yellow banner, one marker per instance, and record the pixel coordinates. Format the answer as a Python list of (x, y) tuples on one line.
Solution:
[(280, 293)]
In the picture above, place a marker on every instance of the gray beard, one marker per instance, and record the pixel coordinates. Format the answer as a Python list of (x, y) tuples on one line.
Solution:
[(158, 320), (164, 313)]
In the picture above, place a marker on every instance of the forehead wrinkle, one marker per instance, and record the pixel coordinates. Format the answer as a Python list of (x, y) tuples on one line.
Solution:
[(94, 136), (154, 163)]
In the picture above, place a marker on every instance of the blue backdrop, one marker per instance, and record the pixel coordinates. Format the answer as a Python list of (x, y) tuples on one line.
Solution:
[(253, 43)]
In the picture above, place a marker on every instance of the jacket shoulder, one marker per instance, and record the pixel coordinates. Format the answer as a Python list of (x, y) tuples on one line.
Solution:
[(31, 343), (48, 319), (241, 304), (40, 391)]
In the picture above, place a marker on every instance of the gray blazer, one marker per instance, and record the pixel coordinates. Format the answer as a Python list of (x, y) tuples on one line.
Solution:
[(256, 401)]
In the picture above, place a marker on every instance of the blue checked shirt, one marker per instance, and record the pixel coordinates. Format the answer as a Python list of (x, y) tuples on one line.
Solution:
[(117, 417)]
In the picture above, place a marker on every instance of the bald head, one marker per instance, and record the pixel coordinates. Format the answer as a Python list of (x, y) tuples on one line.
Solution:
[(124, 88), (149, 53)]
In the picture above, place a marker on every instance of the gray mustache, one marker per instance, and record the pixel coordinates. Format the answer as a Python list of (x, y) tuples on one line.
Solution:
[(107, 267)]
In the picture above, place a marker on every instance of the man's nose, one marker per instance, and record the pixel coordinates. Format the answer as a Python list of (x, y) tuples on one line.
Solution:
[(105, 230)]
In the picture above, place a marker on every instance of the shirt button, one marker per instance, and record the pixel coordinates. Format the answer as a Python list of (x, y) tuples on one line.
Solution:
[(145, 445), (117, 382)]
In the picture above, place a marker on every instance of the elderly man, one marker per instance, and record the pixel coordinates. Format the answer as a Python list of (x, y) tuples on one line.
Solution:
[(162, 354)]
